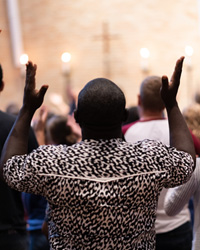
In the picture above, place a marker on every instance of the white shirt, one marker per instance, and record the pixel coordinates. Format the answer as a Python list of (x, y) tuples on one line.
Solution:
[(177, 198)]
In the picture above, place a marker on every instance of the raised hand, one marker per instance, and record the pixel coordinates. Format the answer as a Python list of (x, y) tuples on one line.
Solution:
[(39, 125), (33, 98), (180, 136), (169, 89)]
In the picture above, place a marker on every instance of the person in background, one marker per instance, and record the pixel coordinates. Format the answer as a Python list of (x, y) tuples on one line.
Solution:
[(13, 234), (177, 198), (133, 115), (59, 132), (192, 117), (197, 97), (35, 207), (102, 192), (12, 109)]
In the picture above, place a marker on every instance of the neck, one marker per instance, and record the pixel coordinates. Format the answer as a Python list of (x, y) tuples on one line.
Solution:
[(97, 133), (149, 115)]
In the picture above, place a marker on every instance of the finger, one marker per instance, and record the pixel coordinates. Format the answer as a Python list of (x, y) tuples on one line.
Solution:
[(42, 91), (178, 68), (30, 75), (43, 113), (165, 83), (177, 71)]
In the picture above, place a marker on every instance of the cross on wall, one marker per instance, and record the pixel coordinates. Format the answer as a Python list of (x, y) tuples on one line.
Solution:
[(106, 37)]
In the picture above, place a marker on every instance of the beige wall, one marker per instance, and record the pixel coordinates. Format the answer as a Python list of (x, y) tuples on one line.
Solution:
[(51, 27)]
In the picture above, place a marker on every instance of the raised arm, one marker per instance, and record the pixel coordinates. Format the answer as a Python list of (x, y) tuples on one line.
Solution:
[(17, 141), (180, 136)]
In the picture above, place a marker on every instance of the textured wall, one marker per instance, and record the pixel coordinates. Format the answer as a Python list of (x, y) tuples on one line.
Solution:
[(51, 27)]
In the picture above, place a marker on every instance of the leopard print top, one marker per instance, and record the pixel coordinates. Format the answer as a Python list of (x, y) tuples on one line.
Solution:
[(102, 194)]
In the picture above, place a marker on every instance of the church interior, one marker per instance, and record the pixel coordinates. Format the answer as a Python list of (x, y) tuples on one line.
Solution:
[(73, 42), (100, 181)]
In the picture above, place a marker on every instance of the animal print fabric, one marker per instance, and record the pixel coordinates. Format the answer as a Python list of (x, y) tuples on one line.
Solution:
[(102, 194)]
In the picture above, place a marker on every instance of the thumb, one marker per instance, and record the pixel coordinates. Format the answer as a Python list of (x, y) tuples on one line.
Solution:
[(42, 91)]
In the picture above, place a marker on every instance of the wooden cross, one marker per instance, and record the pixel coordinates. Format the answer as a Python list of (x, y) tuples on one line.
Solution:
[(106, 37)]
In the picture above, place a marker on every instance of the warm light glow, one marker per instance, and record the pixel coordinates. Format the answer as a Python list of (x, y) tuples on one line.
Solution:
[(23, 59), (189, 50), (56, 98), (144, 52), (66, 57)]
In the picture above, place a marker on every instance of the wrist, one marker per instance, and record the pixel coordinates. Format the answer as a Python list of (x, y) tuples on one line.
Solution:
[(170, 106), (26, 112)]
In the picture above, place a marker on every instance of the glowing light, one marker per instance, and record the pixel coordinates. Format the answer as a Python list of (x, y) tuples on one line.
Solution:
[(189, 50), (66, 57), (23, 59), (144, 52)]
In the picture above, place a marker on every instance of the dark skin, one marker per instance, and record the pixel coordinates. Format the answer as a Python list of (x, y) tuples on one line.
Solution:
[(91, 132), (17, 142), (177, 125)]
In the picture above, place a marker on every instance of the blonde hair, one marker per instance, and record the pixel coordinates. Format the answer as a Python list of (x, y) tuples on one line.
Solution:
[(192, 118)]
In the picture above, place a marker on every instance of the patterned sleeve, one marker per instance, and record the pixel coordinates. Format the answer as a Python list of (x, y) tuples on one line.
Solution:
[(26, 173), (176, 198), (176, 166)]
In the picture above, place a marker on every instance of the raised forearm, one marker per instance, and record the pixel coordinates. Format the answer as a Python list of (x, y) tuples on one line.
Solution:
[(17, 141), (180, 136)]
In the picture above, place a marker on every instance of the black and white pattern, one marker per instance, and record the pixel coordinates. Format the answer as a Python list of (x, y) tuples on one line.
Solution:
[(102, 194)]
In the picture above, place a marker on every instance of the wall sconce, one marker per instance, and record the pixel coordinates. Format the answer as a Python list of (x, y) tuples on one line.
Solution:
[(66, 58), (23, 61), (144, 52), (188, 58)]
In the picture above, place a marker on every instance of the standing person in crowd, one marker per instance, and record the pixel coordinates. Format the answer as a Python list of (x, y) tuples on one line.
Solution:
[(175, 232), (13, 234), (59, 132), (102, 192), (192, 117), (35, 207), (177, 198), (133, 115)]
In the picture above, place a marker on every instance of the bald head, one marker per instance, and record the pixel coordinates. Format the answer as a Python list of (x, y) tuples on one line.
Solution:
[(101, 103), (150, 94)]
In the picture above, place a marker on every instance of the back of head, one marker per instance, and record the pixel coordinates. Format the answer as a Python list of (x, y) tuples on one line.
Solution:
[(150, 94), (101, 103), (192, 117), (133, 115), (12, 109), (58, 132)]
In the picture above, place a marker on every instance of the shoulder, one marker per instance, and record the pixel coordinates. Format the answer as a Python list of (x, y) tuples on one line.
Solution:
[(127, 126), (6, 118)]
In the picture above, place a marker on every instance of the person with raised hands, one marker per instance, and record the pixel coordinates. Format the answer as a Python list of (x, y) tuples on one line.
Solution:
[(102, 192)]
